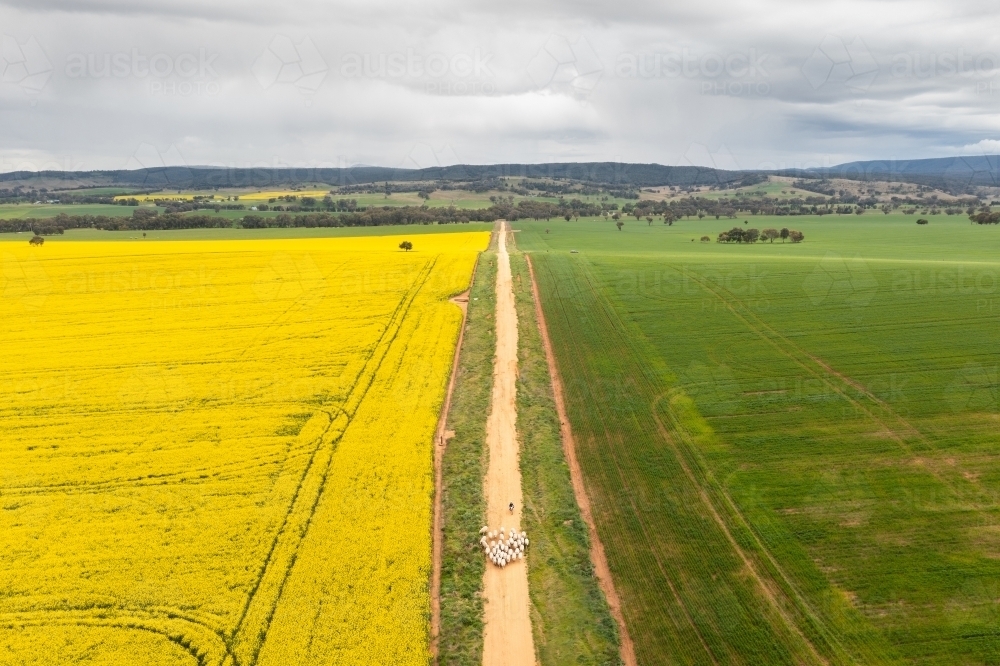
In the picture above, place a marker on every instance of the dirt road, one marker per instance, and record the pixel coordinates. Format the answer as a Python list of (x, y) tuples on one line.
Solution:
[(507, 634)]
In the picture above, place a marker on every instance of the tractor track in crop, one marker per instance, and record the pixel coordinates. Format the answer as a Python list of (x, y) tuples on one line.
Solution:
[(366, 376), (206, 643), (899, 429)]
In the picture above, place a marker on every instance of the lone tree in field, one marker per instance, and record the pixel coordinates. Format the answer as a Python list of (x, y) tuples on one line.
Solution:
[(36, 240), (619, 224), (796, 236), (406, 245)]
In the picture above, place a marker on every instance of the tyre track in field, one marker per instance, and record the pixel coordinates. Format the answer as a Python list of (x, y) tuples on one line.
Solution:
[(834, 380), (229, 643), (705, 495), (623, 482), (206, 644), (226, 644), (243, 635)]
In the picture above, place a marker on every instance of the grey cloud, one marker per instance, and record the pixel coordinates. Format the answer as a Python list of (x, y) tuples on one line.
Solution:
[(755, 81)]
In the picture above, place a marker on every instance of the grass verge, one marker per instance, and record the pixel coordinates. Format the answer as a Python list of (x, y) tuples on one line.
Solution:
[(463, 469)]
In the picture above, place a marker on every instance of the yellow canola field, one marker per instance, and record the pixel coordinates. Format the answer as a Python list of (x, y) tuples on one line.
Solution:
[(220, 452), (253, 197)]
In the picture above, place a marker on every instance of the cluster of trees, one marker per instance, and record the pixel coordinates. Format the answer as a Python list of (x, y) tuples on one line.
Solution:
[(374, 217), (985, 217), (751, 235), (145, 222), (730, 207), (18, 194), (188, 206)]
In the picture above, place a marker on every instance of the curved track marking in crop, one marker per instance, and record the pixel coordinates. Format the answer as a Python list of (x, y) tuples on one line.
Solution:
[(204, 643), (619, 327), (615, 324), (831, 378), (251, 629), (256, 393), (706, 496)]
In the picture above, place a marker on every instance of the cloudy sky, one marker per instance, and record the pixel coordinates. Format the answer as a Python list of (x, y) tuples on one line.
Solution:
[(107, 84)]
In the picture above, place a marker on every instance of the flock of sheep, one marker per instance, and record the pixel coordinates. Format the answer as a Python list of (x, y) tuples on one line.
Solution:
[(502, 547)]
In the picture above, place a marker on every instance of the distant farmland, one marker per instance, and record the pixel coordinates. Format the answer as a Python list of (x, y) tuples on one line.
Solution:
[(791, 450)]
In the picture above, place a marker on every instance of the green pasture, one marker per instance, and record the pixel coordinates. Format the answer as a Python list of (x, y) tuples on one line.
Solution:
[(793, 450), (45, 211)]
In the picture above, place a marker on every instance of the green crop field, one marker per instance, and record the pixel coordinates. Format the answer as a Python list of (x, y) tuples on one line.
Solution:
[(44, 211), (791, 449)]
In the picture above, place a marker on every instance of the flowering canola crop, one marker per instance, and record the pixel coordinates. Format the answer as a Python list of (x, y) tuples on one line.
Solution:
[(221, 452)]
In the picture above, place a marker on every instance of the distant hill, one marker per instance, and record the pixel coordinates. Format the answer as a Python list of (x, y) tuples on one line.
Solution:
[(954, 174), (605, 173), (947, 173)]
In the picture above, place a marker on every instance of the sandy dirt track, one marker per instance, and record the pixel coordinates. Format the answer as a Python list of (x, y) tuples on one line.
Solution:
[(507, 635), (597, 556)]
